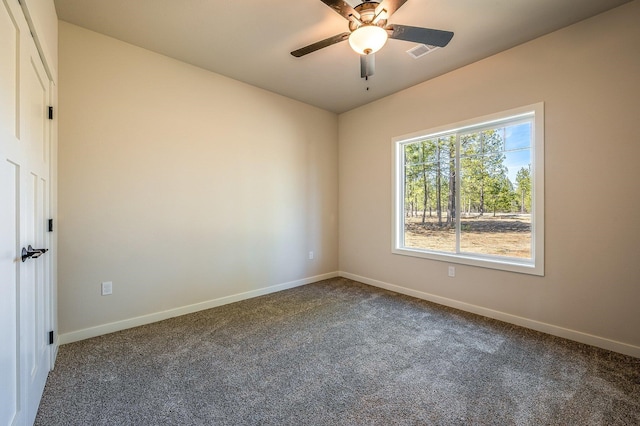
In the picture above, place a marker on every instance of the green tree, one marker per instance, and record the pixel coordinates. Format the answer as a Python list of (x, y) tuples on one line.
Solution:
[(414, 189), (523, 182), (451, 205), (500, 194), (427, 151), (482, 164), (444, 165)]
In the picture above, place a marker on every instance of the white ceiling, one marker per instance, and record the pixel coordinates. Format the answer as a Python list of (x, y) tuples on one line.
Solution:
[(250, 40)]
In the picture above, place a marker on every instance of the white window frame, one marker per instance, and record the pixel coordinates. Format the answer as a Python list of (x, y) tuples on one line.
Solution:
[(533, 266)]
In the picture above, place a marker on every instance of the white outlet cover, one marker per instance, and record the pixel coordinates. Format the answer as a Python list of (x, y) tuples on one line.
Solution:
[(107, 288), (452, 271)]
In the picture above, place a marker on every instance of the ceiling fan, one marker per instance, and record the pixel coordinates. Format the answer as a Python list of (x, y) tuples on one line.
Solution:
[(369, 31)]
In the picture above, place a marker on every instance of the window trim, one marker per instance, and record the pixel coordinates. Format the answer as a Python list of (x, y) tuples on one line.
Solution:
[(534, 266)]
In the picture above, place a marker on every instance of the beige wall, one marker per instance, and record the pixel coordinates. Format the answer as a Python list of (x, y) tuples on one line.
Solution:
[(182, 186), (588, 76)]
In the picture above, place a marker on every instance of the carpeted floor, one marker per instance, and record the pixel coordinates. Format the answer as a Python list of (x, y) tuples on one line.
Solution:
[(333, 353)]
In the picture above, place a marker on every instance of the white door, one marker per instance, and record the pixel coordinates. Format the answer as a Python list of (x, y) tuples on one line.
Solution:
[(25, 287)]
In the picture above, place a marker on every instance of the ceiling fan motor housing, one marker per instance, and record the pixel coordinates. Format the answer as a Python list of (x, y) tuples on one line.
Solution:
[(367, 12)]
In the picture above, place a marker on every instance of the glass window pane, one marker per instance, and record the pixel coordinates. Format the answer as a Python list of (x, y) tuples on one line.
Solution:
[(429, 221), (493, 222), (518, 136)]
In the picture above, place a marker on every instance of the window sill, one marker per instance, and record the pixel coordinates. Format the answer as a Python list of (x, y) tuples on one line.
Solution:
[(524, 266)]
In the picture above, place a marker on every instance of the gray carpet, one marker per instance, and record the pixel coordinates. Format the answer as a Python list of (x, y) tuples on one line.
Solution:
[(338, 352)]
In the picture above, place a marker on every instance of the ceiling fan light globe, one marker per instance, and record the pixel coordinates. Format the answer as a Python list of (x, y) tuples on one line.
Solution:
[(368, 39)]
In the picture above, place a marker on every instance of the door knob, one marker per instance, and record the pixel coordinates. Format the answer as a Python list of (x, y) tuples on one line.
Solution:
[(30, 252)]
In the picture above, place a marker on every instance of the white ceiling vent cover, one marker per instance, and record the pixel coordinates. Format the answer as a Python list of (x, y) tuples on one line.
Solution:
[(421, 50)]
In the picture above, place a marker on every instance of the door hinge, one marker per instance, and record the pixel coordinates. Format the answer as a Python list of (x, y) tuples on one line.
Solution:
[(50, 225), (50, 113), (51, 337)]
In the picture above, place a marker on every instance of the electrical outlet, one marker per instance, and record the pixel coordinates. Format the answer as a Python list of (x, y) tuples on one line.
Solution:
[(452, 271), (310, 255), (107, 288)]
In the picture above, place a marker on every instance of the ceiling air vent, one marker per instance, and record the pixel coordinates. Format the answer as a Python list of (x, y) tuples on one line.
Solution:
[(421, 50)]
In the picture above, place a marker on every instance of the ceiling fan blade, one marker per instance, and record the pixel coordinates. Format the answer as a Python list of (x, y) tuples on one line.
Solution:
[(341, 7), (320, 44), (367, 65), (390, 6), (420, 35)]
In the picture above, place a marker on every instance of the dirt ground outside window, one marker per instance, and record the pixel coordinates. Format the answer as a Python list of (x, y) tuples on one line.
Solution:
[(502, 235)]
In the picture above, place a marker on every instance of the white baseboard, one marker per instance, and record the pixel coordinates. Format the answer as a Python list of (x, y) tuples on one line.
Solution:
[(578, 336), (99, 330)]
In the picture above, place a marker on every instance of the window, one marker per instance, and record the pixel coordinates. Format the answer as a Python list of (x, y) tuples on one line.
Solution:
[(472, 192)]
